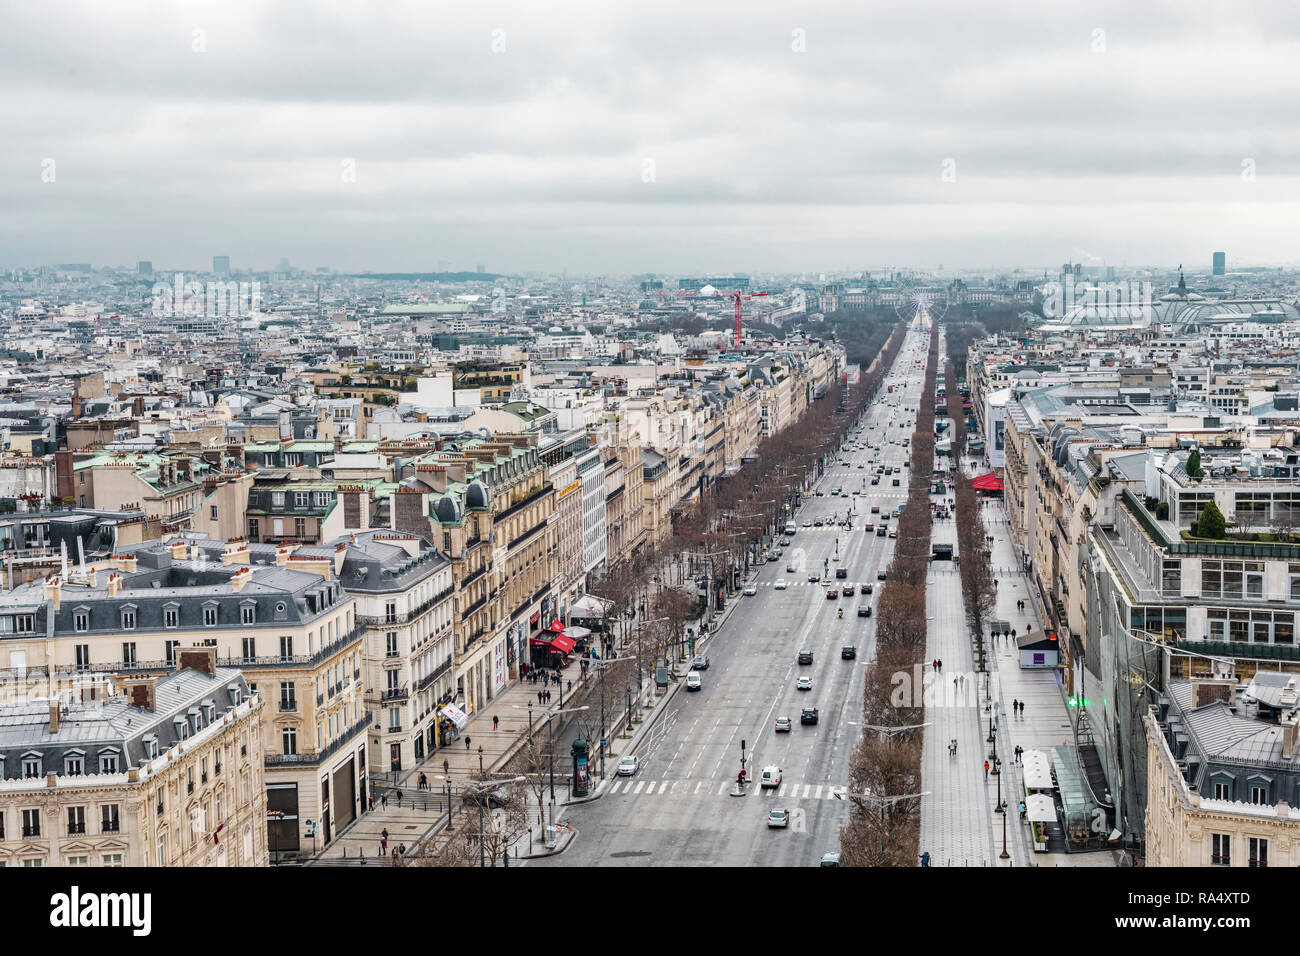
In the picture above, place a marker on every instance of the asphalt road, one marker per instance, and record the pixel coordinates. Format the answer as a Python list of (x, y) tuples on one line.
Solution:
[(677, 810)]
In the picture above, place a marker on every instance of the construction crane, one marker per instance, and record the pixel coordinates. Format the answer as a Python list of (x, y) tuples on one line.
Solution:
[(736, 296)]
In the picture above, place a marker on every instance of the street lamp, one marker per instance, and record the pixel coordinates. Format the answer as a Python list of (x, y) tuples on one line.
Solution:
[(478, 789), (550, 730)]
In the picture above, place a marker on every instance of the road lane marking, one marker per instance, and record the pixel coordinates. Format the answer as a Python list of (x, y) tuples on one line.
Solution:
[(639, 786)]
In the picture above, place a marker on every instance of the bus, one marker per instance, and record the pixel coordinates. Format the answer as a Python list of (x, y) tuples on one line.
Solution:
[(941, 552)]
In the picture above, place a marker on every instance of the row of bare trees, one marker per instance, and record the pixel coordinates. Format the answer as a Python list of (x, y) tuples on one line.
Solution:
[(885, 769), (978, 595)]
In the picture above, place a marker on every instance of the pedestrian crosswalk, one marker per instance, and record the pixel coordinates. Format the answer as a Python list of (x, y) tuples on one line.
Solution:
[(631, 787)]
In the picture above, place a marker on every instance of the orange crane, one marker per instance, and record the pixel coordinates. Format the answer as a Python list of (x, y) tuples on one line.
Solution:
[(737, 296)]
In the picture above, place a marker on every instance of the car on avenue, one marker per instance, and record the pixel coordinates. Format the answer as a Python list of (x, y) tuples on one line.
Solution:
[(803, 683), (783, 725), (778, 818), (628, 765)]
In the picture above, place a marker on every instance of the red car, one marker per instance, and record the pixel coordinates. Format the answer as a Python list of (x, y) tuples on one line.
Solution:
[(869, 527), (893, 533)]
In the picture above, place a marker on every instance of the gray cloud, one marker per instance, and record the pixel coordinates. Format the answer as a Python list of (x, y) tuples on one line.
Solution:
[(533, 158)]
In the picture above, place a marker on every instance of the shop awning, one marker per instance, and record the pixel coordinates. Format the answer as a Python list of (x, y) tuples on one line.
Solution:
[(563, 644), (1040, 808), (455, 715), (989, 482), (590, 606), (576, 632)]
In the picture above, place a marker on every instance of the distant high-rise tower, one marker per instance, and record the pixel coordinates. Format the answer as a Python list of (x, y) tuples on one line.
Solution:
[(480, 268), (1220, 263), (284, 264), (144, 267), (221, 265)]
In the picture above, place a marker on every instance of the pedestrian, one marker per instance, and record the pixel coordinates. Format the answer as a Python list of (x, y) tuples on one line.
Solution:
[(1021, 808), (1015, 705), (1019, 752), (548, 696), (986, 770), (399, 796), (1022, 708), (383, 842), (371, 805), (941, 664), (539, 697), (467, 741), (925, 858), (570, 685), (446, 768), (495, 722), (383, 800), (401, 850)]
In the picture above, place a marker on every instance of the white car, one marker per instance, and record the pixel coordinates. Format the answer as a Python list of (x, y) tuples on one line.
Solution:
[(778, 817), (803, 683), (627, 766), (750, 590), (780, 584)]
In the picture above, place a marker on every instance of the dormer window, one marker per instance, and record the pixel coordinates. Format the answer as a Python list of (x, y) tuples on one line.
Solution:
[(248, 613), (151, 748), (209, 711), (171, 615), (32, 764), (210, 614), (108, 761), (182, 728), (81, 619), (128, 617), (74, 763), (195, 719), (233, 691)]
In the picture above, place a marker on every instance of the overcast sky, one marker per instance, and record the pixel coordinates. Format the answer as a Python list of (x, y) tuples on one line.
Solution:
[(616, 137)]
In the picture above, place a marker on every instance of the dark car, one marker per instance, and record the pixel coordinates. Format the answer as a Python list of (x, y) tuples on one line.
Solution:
[(805, 657), (868, 588), (841, 572), (881, 576), (847, 590), (832, 594), (808, 715), (493, 799), (875, 481), (848, 652), (814, 576), (895, 482), (881, 532), (864, 610)]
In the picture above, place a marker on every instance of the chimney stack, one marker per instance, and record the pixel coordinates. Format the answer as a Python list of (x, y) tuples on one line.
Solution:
[(178, 549), (201, 657), (54, 590), (141, 692), (54, 716), (242, 577)]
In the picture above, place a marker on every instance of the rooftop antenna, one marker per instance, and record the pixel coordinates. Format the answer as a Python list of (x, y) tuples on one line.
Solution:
[(81, 555), (63, 555)]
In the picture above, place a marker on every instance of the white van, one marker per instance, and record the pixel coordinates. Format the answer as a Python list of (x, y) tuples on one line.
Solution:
[(791, 527), (693, 680), (771, 777)]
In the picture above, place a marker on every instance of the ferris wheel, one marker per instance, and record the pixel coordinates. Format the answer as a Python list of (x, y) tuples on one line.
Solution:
[(922, 302)]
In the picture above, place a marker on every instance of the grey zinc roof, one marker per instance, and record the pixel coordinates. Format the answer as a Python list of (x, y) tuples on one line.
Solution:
[(112, 723)]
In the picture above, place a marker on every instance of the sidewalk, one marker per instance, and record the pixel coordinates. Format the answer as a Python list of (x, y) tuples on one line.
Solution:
[(1045, 722)]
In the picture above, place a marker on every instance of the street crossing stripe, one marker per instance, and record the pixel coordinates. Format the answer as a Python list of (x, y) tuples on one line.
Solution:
[(789, 791)]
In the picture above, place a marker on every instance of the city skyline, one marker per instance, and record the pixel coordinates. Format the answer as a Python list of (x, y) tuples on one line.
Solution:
[(730, 139)]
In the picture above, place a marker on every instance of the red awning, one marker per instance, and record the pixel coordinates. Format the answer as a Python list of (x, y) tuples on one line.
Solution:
[(557, 625), (989, 482), (563, 644)]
